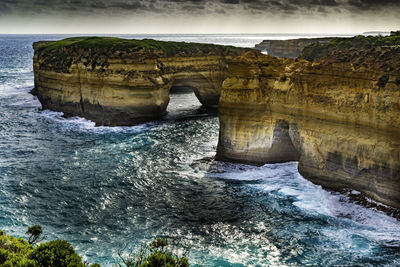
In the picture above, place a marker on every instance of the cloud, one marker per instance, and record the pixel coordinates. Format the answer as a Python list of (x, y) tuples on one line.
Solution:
[(4, 9), (128, 5), (179, 8), (98, 5), (230, 1), (322, 3)]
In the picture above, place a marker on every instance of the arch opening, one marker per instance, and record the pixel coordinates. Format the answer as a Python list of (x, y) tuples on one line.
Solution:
[(185, 99)]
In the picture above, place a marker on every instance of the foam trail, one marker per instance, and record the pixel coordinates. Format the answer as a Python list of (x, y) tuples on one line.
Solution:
[(285, 180), (82, 124)]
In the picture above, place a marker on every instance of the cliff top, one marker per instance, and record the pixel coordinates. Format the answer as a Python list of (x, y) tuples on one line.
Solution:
[(340, 49), (395, 33), (110, 45), (97, 51), (298, 40)]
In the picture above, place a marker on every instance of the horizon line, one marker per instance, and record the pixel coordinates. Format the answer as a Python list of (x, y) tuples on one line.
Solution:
[(272, 33)]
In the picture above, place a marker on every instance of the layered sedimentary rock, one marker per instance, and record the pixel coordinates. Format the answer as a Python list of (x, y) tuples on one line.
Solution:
[(289, 48), (338, 116), (116, 81)]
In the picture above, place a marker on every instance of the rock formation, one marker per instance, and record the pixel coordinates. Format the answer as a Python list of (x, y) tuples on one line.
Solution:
[(395, 33), (339, 116), (335, 109), (289, 48), (116, 81)]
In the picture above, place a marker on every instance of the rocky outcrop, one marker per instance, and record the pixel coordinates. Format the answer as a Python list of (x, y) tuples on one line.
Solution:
[(395, 33), (291, 48), (116, 81), (338, 116)]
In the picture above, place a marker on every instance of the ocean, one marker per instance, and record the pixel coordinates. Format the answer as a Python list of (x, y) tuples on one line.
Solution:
[(107, 188)]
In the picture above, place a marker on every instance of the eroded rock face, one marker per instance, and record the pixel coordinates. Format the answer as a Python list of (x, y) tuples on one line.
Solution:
[(291, 48), (125, 82), (340, 119)]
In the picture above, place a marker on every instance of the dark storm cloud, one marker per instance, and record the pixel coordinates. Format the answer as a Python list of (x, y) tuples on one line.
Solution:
[(98, 5), (128, 5), (171, 7), (323, 3), (4, 10), (230, 1)]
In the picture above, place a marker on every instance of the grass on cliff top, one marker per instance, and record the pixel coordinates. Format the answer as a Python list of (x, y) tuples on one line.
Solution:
[(362, 41), (317, 51), (113, 44)]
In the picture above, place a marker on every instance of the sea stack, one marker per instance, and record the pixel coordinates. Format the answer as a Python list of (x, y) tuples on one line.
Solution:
[(337, 113)]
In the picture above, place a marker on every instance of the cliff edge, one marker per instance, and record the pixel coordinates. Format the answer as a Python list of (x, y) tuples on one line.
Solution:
[(291, 48)]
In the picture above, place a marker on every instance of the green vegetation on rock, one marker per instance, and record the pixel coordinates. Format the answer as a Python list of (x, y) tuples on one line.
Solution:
[(56, 253), (158, 253), (361, 41), (95, 52), (340, 46), (113, 44), (59, 253), (35, 232), (19, 252)]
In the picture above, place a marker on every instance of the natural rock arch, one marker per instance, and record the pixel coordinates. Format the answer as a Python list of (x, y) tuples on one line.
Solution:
[(116, 81), (206, 91)]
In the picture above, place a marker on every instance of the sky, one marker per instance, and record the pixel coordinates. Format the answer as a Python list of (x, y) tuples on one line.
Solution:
[(198, 16)]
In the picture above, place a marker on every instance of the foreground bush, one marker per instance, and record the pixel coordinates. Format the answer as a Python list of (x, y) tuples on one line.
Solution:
[(19, 252), (56, 253), (60, 253), (14, 251), (159, 253)]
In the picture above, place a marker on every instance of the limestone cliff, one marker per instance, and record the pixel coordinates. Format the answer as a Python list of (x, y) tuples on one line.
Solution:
[(115, 81), (291, 48), (338, 116)]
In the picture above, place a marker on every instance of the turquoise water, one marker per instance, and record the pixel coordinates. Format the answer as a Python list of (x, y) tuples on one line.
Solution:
[(102, 188)]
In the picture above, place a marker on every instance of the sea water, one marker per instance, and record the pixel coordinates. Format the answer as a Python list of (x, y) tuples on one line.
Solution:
[(106, 188)]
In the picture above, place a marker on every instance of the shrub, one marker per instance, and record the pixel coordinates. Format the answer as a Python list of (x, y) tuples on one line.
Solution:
[(159, 244), (19, 252), (14, 251), (4, 241), (59, 253), (19, 246), (159, 259), (35, 232), (4, 255), (20, 262), (158, 253), (56, 253)]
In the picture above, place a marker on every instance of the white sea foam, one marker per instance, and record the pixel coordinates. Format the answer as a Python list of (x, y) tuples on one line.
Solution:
[(11, 71), (82, 124), (251, 173), (284, 179), (14, 89)]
